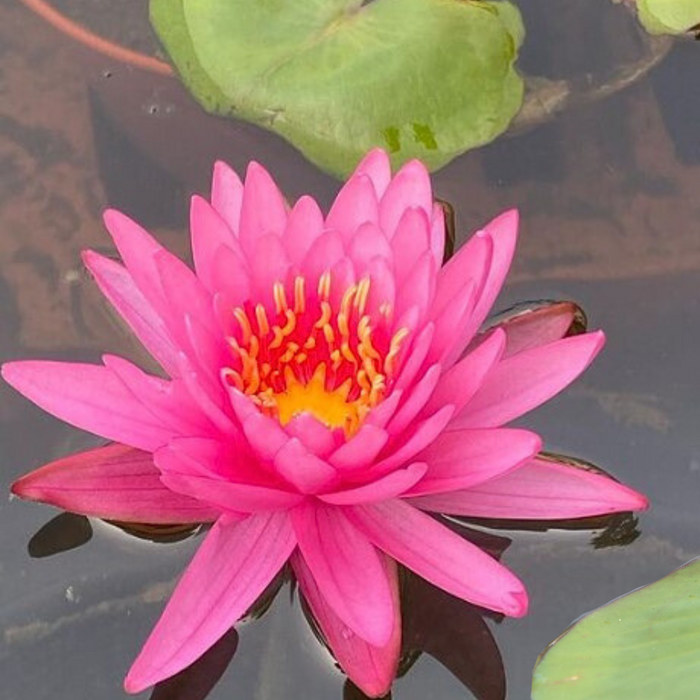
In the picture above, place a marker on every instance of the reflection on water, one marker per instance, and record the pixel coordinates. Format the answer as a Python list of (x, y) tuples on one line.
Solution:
[(610, 218)]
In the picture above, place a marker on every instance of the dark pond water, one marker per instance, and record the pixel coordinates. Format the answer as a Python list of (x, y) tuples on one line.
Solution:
[(611, 218)]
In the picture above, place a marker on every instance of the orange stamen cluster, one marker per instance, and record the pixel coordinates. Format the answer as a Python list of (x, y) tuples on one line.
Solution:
[(332, 363)]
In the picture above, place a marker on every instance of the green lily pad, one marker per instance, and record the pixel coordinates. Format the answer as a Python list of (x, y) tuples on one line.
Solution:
[(424, 79), (669, 16), (645, 645)]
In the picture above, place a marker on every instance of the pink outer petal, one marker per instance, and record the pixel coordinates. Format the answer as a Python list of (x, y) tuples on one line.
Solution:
[(377, 167), (304, 226), (461, 459), (263, 210), (539, 490), (232, 567), (118, 286), (209, 233), (89, 397), (440, 556), (460, 383), (115, 483), (227, 194), (372, 669), (438, 234), (390, 486), (355, 205), (348, 570), (410, 187), (524, 381)]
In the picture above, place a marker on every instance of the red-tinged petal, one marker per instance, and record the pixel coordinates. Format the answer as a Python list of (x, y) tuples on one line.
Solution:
[(355, 205), (411, 240), (232, 567), (89, 397), (115, 483), (460, 383), (416, 400), (361, 449), (440, 556), (539, 490), (372, 669), (304, 225), (348, 570), (118, 286), (463, 458), (412, 443), (304, 470), (410, 187), (392, 485), (524, 381), (209, 233), (538, 327), (377, 167), (263, 210), (368, 242), (227, 194)]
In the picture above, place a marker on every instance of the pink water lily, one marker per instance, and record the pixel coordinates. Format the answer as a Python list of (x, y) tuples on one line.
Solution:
[(327, 384)]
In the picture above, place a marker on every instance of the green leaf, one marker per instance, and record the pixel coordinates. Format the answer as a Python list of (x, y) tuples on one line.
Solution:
[(669, 16), (424, 79), (645, 646)]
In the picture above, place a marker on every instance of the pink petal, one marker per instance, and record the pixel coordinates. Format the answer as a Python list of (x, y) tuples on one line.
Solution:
[(89, 397), (368, 242), (302, 469), (227, 195), (326, 252), (361, 449), (464, 458), (460, 383), (355, 205), (120, 289), (313, 434), (377, 167), (438, 234), (372, 669), (452, 327), (417, 399), (263, 210), (209, 233), (381, 414), (539, 490), (304, 226), (348, 571), (416, 357), (410, 187), (418, 288), (425, 432), (268, 264), (181, 473), (232, 567), (168, 401), (230, 278), (503, 231), (524, 381), (383, 288), (441, 556), (411, 240), (115, 483), (390, 486)]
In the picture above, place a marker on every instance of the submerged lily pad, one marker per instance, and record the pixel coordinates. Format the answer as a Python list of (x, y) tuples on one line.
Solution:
[(645, 645), (669, 16), (425, 79)]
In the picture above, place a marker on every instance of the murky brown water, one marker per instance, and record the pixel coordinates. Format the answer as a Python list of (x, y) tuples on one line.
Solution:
[(611, 218)]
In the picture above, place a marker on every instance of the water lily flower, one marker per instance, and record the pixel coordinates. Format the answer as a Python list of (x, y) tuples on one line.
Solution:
[(327, 388)]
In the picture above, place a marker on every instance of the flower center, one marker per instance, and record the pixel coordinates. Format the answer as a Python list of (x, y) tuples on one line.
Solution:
[(329, 359)]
